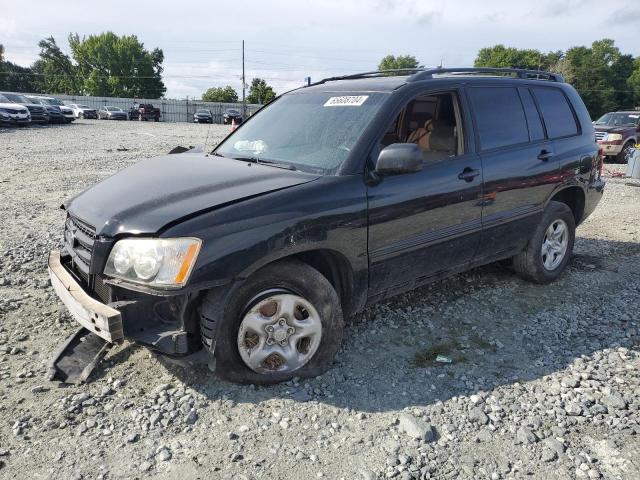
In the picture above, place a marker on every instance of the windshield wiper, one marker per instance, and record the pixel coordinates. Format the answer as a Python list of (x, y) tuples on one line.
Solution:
[(264, 161)]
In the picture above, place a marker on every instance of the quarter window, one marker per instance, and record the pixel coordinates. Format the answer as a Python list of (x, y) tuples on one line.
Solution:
[(556, 112), (499, 116)]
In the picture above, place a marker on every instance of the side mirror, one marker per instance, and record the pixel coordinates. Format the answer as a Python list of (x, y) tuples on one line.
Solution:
[(399, 158)]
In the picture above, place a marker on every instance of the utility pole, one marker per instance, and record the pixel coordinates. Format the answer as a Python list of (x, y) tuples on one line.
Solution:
[(244, 101)]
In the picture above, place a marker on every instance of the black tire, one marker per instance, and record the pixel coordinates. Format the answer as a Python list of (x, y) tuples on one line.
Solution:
[(285, 276), (622, 156), (528, 264)]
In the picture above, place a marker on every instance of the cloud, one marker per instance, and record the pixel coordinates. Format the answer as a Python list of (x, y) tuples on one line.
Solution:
[(428, 19), (554, 8), (625, 15)]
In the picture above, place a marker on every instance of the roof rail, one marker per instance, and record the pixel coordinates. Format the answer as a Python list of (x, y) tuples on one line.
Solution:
[(374, 73), (416, 74), (519, 72)]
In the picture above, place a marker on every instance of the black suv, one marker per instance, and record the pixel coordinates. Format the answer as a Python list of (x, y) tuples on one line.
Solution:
[(330, 198)]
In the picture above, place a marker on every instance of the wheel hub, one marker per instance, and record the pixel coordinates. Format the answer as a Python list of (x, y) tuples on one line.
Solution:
[(554, 244), (279, 333)]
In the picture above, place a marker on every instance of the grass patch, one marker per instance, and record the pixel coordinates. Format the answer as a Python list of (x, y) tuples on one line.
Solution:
[(427, 357), (481, 343)]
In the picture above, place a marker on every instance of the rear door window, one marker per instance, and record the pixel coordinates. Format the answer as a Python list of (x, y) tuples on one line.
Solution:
[(556, 112), (500, 118)]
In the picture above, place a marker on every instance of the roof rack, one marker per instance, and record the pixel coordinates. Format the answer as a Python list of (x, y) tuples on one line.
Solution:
[(374, 73), (518, 72), (416, 74)]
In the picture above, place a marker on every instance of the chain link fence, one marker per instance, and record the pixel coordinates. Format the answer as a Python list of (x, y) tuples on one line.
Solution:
[(170, 110)]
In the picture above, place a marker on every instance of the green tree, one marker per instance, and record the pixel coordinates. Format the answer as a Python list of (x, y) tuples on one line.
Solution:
[(633, 81), (226, 94), (603, 76), (600, 74), (391, 62), (15, 78), (500, 56), (260, 92), (117, 66), (55, 71)]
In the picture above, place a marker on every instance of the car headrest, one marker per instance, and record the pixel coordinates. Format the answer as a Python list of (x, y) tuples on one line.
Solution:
[(442, 138)]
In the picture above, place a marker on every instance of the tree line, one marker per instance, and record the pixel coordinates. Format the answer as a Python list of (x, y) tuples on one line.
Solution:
[(103, 65), (606, 78), (106, 65), (110, 65)]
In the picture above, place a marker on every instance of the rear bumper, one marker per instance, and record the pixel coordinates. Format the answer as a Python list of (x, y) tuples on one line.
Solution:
[(592, 198)]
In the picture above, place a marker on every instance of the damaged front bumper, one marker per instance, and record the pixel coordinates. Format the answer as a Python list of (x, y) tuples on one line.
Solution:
[(166, 324)]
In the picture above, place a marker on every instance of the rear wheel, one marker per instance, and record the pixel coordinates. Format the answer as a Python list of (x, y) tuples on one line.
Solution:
[(549, 249), (285, 321)]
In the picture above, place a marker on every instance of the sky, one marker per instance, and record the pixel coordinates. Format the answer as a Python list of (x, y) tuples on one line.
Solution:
[(286, 40)]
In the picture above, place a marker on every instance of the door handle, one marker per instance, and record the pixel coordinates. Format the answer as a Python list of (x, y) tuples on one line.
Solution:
[(545, 155), (468, 174)]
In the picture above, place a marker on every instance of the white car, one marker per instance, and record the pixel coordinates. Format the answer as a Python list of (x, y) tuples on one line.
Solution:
[(13, 113), (67, 112), (83, 111)]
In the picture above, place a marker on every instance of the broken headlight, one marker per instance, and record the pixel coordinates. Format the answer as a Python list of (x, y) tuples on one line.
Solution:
[(159, 262)]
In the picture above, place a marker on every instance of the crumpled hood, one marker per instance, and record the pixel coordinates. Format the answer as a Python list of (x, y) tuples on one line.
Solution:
[(152, 193)]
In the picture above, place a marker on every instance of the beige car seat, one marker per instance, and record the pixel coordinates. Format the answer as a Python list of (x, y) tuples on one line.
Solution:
[(421, 136)]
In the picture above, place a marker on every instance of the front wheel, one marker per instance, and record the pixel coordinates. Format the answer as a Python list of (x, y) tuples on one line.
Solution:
[(622, 156), (549, 249), (285, 321)]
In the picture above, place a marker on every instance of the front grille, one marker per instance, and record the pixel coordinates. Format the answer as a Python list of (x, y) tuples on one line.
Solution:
[(36, 110), (600, 136), (78, 240), (101, 289)]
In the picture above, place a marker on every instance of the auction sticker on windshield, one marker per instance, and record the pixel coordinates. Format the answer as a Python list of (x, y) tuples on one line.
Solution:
[(347, 101)]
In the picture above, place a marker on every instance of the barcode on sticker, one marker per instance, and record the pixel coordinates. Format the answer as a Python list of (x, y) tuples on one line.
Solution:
[(346, 101)]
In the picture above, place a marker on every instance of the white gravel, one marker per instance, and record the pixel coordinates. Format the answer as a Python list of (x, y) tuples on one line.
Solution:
[(544, 380)]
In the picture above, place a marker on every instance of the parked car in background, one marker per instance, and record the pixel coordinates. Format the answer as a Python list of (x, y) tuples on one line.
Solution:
[(55, 114), (617, 133), (12, 114), (83, 111), (66, 111), (38, 112), (258, 250), (231, 114), (111, 113), (203, 115), (144, 111)]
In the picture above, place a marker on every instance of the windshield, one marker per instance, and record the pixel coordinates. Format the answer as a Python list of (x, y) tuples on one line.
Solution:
[(17, 98), (54, 101), (82, 106), (309, 131), (231, 111), (619, 119)]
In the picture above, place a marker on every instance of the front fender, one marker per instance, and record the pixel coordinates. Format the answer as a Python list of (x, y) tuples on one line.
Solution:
[(328, 214)]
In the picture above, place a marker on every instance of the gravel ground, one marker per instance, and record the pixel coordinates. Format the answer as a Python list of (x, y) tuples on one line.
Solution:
[(544, 380)]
